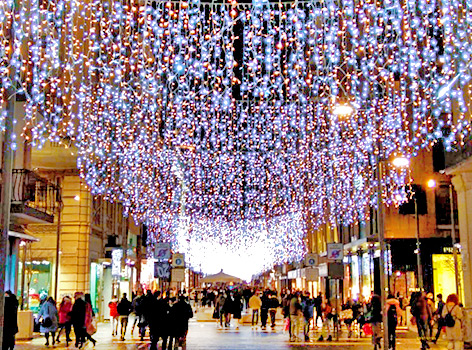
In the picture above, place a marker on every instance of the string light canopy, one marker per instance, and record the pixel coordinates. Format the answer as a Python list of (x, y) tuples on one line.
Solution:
[(235, 114)]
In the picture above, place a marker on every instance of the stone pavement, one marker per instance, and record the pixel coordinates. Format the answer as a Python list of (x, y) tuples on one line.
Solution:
[(207, 336)]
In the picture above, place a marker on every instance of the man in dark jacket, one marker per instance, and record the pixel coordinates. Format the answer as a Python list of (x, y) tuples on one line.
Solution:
[(180, 313), (264, 309), (273, 305), (10, 327), (124, 308), (78, 319), (159, 321)]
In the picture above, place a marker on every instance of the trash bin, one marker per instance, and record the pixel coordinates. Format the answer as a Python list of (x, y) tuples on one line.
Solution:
[(25, 325)]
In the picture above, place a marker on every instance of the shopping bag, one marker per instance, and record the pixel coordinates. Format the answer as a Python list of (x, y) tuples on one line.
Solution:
[(92, 327), (367, 329)]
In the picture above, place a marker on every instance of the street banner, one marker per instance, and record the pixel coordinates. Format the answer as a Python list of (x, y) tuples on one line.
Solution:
[(178, 275), (178, 260)]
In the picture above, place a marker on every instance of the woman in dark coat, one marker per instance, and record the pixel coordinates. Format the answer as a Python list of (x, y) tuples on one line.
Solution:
[(78, 319), (237, 307), (10, 327)]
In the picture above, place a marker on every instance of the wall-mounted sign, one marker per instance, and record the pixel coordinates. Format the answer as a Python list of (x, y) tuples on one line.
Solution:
[(335, 251), (178, 275), (161, 269), (116, 256), (178, 260), (162, 251), (311, 259)]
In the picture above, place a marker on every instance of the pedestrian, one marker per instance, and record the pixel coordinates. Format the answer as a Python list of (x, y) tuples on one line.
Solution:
[(307, 306), (78, 319), (237, 307), (453, 318), (181, 314), (255, 304), (10, 326), (90, 327), (273, 305), (319, 314), (438, 317), (296, 314), (264, 309), (327, 316), (393, 310), (65, 309), (136, 312), (114, 315), (220, 302), (227, 309), (375, 318), (49, 320), (430, 301), (124, 309), (159, 320), (422, 314)]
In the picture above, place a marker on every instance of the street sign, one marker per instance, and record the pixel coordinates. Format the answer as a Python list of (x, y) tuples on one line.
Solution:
[(335, 251), (161, 269), (162, 251), (311, 259), (178, 275), (178, 260), (116, 256)]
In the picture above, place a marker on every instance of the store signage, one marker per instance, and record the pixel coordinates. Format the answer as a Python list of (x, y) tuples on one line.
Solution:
[(178, 260), (161, 269), (311, 259), (116, 256), (162, 251), (311, 274), (335, 251), (178, 275)]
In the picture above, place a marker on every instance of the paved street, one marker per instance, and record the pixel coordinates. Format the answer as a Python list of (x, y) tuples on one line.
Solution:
[(206, 335)]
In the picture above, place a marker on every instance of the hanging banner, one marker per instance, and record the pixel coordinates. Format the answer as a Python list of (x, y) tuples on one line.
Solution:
[(161, 269), (335, 251)]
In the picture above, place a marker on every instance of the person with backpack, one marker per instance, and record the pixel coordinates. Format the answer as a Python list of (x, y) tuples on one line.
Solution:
[(453, 316), (439, 318), (393, 310)]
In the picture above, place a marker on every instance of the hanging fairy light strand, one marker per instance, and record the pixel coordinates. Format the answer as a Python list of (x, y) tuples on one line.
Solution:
[(230, 114)]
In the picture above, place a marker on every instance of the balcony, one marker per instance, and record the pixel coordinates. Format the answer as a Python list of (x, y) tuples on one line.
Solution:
[(34, 199)]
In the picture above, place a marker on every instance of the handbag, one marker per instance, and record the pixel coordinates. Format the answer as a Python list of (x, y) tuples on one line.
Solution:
[(216, 314), (46, 322)]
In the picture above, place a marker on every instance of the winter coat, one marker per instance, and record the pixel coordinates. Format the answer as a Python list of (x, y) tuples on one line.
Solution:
[(11, 315), (255, 302), (113, 311), (64, 312), (180, 313), (124, 307), (78, 314), (454, 333), (48, 310)]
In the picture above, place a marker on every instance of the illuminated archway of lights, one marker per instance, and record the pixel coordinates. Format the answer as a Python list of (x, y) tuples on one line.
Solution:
[(229, 114)]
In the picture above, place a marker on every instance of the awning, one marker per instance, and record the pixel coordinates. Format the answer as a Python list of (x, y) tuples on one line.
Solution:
[(23, 236)]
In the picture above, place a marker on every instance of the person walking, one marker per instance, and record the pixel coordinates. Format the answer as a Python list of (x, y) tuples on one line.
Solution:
[(296, 314), (422, 314), (114, 315), (438, 317), (319, 313), (255, 304), (10, 326), (453, 318), (159, 320), (375, 318), (237, 307), (308, 308), (49, 320), (65, 309), (90, 327), (124, 309), (181, 314), (393, 310), (264, 309), (136, 311), (78, 319), (273, 305)]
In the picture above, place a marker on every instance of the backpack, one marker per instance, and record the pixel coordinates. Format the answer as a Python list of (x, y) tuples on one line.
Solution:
[(449, 320)]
